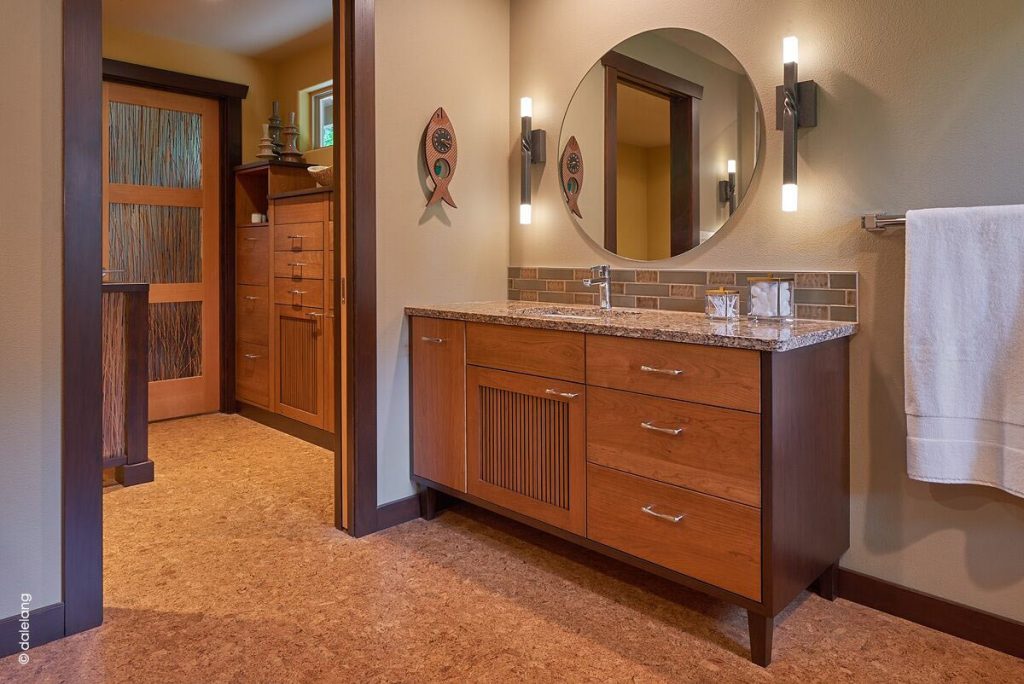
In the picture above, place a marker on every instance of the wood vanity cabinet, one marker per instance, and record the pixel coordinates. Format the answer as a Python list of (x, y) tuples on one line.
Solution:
[(722, 469), (284, 285)]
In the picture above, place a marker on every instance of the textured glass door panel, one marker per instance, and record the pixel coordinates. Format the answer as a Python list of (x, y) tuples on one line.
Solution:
[(175, 340), (158, 147), (152, 244)]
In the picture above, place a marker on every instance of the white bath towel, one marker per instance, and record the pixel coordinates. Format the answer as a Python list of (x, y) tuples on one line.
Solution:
[(964, 346)]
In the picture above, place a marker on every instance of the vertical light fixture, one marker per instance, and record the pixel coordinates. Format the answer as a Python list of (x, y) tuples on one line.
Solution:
[(796, 106), (533, 152), (727, 188)]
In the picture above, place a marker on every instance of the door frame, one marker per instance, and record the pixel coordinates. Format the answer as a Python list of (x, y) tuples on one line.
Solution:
[(229, 98), (83, 70)]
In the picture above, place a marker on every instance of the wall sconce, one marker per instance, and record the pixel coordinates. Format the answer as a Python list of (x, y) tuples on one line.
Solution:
[(534, 144), (796, 106), (727, 188)]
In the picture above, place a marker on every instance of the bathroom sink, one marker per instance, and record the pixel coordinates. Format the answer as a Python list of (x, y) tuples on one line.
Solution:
[(580, 313)]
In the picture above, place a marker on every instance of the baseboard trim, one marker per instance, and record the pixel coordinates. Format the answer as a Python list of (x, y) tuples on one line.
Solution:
[(986, 629), (398, 512), (46, 624), (295, 428)]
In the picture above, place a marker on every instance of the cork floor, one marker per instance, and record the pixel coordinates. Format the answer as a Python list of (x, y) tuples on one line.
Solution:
[(227, 569)]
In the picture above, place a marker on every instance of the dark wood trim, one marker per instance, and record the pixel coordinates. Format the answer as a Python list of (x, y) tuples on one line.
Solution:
[(360, 423), (651, 78), (993, 631), (611, 159), (229, 97), (46, 624), (684, 183), (150, 77), (343, 481), (137, 468), (684, 140), (81, 317), (398, 512), (295, 428), (660, 571)]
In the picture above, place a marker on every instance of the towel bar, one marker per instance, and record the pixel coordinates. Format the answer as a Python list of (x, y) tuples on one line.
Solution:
[(878, 223)]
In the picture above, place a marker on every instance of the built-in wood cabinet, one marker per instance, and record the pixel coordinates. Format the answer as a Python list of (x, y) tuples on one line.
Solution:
[(284, 294), (722, 469)]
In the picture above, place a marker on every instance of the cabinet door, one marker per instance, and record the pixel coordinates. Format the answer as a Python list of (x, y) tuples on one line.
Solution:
[(299, 364), (527, 445), (438, 350)]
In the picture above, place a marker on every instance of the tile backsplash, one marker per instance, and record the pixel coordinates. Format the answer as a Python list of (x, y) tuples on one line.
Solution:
[(824, 296)]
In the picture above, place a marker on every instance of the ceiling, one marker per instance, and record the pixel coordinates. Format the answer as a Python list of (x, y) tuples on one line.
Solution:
[(247, 27)]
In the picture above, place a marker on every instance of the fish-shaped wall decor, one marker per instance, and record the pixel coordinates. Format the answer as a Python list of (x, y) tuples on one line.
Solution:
[(442, 155), (572, 175)]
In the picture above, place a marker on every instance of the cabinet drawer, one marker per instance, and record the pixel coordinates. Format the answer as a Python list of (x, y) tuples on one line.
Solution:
[(715, 541), (551, 353), (716, 451), (252, 374), (707, 375), (298, 237), (252, 256), (299, 265), (299, 292), (438, 352), (299, 210), (252, 313)]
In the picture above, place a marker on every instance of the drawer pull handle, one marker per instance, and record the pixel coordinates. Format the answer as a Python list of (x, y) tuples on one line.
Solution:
[(668, 431), (297, 263), (296, 237), (297, 292), (250, 298), (565, 395), (649, 510), (251, 239), (664, 371), (312, 314), (253, 357), (433, 340)]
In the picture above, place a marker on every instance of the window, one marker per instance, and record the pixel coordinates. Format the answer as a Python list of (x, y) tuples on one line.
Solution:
[(322, 110)]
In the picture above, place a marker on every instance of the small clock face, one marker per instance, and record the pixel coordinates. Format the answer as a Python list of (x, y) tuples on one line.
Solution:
[(441, 140), (573, 163)]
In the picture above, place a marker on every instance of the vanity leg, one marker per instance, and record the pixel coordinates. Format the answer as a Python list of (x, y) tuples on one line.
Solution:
[(428, 503), (827, 586), (760, 627)]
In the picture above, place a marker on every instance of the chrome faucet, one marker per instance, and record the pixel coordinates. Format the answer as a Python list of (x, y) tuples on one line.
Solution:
[(603, 279)]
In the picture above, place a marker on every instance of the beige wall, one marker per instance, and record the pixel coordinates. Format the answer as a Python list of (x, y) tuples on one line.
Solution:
[(920, 106), (140, 48), (30, 275), (294, 75), (436, 254)]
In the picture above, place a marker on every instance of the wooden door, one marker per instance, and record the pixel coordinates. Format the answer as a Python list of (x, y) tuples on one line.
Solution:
[(161, 225), (299, 338), (526, 445), (438, 351)]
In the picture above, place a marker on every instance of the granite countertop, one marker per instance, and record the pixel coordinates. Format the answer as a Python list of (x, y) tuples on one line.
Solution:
[(671, 326)]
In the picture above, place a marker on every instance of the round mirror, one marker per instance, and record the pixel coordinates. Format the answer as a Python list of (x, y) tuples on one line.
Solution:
[(659, 144)]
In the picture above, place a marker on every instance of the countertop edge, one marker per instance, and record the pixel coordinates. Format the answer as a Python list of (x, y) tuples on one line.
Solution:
[(709, 339)]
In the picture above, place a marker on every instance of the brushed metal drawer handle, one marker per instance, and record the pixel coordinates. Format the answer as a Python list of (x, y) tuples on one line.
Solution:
[(297, 292), (664, 371), (251, 298), (253, 357), (312, 314), (433, 340), (566, 395), (297, 263), (649, 510), (296, 237), (668, 431), (251, 239)]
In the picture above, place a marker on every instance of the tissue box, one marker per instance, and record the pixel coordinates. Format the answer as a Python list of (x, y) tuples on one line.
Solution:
[(771, 298)]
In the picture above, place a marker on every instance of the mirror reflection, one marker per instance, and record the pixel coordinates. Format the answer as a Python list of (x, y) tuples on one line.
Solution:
[(669, 127)]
